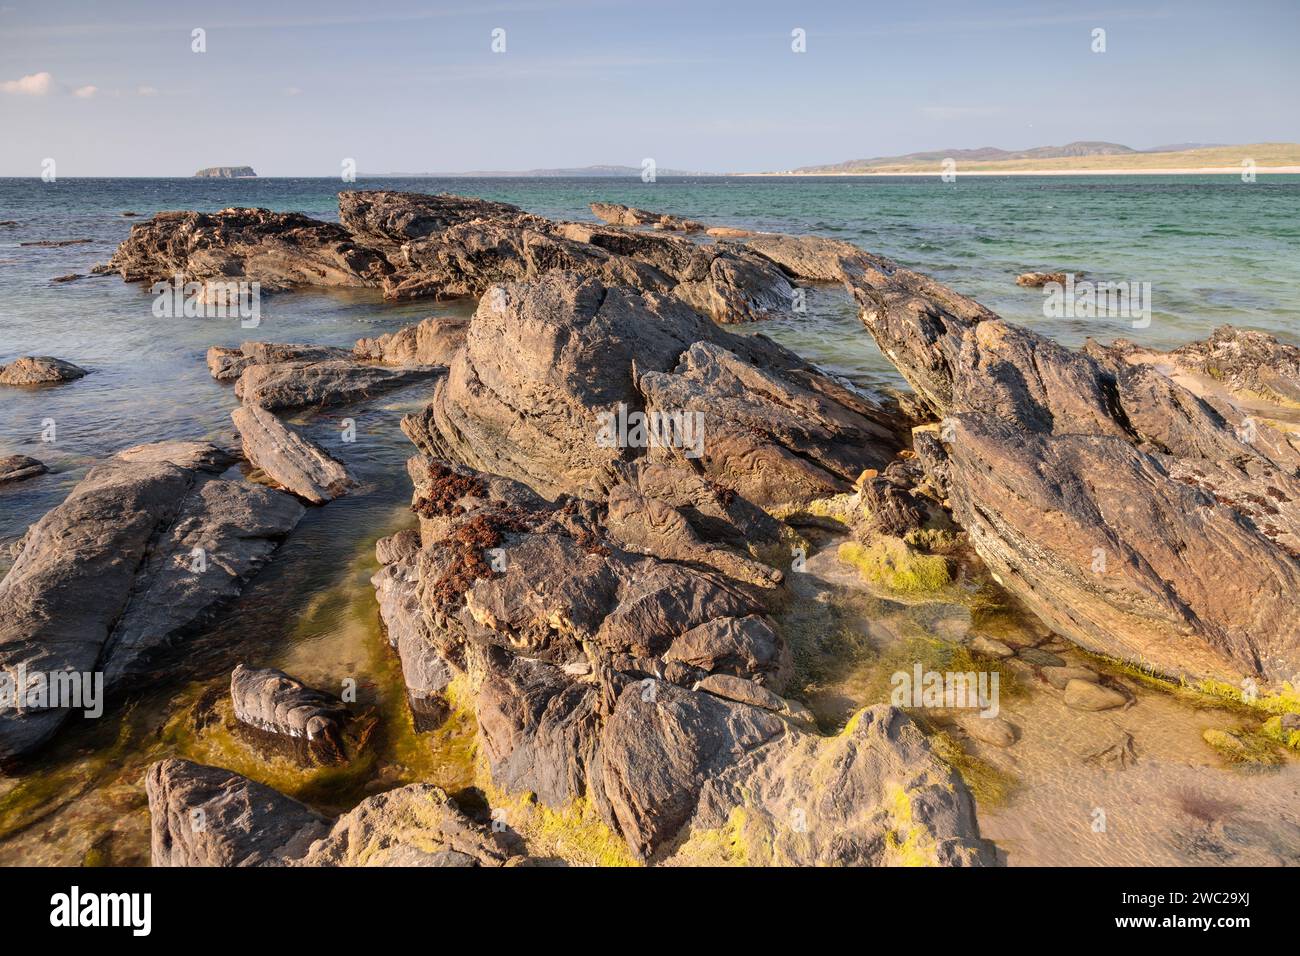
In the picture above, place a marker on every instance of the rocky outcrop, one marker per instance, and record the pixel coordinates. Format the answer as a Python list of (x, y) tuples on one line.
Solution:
[(225, 172), (617, 677), (272, 702), (39, 370), (140, 553), (1036, 280), (226, 365), (431, 342), (1250, 364), (296, 464), (18, 467), (556, 375), (279, 250), (618, 215), (205, 816), (1127, 512)]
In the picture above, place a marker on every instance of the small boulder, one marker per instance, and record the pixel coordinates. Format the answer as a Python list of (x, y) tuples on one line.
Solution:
[(18, 467), (990, 730), (990, 647), (293, 462), (1036, 280), (1086, 695), (740, 690), (39, 370), (1058, 677), (272, 702)]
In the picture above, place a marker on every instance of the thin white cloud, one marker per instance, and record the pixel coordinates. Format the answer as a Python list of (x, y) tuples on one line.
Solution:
[(85, 92), (34, 84)]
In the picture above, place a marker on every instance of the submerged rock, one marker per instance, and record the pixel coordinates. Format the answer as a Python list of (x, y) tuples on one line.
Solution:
[(205, 816), (140, 553), (18, 467), (293, 462), (39, 370), (1037, 280), (275, 703)]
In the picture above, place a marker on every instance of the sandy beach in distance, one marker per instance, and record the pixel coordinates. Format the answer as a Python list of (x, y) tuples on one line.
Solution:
[(1208, 171)]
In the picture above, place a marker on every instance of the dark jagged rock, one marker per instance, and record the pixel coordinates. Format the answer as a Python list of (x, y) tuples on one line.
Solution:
[(143, 549), (274, 703), (18, 467), (206, 816), (280, 250), (39, 370)]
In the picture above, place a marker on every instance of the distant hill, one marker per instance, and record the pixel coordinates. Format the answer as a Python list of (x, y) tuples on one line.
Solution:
[(1072, 157), (577, 172), (226, 172)]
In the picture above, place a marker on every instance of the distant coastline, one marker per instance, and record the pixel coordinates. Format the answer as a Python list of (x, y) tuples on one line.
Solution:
[(936, 171)]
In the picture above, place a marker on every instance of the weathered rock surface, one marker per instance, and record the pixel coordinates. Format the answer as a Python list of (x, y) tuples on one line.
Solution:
[(226, 365), (247, 824), (1127, 512), (547, 366), (287, 385), (1249, 363), (275, 703), (143, 549), (39, 370), (280, 250), (431, 342), (18, 467), (1036, 280), (295, 463), (618, 215), (580, 655)]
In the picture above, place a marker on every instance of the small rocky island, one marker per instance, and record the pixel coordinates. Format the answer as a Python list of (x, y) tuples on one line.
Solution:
[(226, 172)]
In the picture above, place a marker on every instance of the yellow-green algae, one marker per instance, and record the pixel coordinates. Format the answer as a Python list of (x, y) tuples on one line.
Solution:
[(890, 563)]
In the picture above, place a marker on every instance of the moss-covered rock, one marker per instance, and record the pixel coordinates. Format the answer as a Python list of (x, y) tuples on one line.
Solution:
[(890, 563)]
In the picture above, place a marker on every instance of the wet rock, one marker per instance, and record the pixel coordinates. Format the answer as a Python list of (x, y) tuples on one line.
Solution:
[(1059, 676), (617, 215), (990, 730), (279, 250), (70, 277), (205, 816), (39, 370), (140, 553), (56, 243), (18, 467), (1040, 657), (228, 364), (1090, 695), (1039, 279), (275, 703), (990, 647), (295, 463)]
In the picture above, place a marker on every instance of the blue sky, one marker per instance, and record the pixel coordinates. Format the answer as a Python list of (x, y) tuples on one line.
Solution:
[(291, 88)]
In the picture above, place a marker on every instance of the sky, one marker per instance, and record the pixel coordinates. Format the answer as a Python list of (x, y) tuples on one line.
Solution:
[(293, 88)]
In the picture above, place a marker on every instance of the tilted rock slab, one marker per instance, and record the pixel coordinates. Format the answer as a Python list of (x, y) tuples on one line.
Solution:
[(1133, 516), (295, 463), (140, 553), (18, 467)]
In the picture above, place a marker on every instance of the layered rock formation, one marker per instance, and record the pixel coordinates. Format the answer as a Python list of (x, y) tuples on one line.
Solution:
[(272, 702), (139, 554), (618, 215), (39, 370), (295, 463)]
